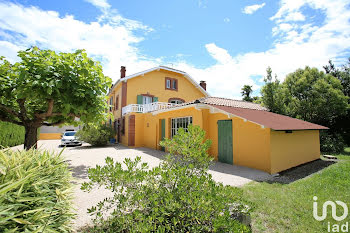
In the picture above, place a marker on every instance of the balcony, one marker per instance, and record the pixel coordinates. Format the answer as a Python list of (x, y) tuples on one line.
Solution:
[(143, 108)]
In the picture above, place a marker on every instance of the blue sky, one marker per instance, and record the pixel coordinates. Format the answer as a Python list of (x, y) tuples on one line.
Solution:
[(227, 43)]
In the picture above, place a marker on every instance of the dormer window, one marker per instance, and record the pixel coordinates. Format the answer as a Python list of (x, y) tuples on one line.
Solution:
[(171, 84)]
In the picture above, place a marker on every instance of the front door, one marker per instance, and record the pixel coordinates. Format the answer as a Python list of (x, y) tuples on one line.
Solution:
[(119, 135), (225, 151), (131, 131)]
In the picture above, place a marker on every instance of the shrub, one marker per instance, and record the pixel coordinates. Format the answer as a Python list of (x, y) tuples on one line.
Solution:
[(11, 134), (35, 192), (96, 135), (331, 142), (177, 196)]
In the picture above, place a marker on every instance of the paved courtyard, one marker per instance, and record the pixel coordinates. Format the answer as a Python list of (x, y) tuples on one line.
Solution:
[(83, 157)]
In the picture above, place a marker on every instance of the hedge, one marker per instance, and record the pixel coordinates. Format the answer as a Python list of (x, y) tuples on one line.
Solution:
[(11, 134), (35, 192)]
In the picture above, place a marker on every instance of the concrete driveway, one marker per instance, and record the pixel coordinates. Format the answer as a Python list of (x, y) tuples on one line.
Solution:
[(83, 157)]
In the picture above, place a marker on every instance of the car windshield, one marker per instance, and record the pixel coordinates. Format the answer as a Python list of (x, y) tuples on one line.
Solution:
[(69, 134)]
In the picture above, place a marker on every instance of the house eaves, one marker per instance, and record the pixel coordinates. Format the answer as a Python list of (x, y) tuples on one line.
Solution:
[(189, 78)]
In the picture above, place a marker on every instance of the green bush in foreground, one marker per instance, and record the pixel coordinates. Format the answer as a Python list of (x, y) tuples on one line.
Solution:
[(177, 196), (35, 192), (96, 135), (11, 134)]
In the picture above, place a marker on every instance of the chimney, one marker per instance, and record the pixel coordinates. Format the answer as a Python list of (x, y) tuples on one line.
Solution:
[(203, 84), (122, 71)]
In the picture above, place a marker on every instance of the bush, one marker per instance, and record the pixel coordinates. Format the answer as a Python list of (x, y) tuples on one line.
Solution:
[(35, 192), (96, 135), (331, 142), (177, 196), (11, 134)]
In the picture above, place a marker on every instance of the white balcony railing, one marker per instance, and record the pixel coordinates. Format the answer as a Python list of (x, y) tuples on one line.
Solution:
[(143, 108)]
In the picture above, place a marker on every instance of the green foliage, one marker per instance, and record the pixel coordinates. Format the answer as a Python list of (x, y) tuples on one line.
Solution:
[(246, 92), (331, 142), (179, 195), (67, 85), (11, 134), (272, 94), (342, 123), (96, 135), (35, 192), (314, 96)]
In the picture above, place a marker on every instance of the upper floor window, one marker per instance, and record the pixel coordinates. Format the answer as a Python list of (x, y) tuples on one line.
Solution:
[(168, 83), (147, 99), (117, 102), (176, 101), (111, 104), (171, 84), (174, 86)]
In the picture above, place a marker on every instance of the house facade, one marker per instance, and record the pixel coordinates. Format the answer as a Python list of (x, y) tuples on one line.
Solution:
[(154, 104), (154, 89)]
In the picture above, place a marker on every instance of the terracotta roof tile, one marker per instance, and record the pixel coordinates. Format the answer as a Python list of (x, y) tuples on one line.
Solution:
[(230, 103), (269, 119)]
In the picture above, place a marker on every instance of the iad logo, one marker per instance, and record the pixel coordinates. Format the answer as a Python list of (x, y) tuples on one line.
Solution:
[(336, 227), (334, 210)]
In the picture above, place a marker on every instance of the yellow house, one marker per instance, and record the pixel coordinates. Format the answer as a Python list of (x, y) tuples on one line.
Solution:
[(154, 104)]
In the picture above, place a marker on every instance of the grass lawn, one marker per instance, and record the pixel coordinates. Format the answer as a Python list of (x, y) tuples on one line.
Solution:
[(289, 207)]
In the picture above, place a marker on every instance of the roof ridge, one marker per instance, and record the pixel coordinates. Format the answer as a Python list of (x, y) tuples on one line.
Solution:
[(231, 99), (160, 66)]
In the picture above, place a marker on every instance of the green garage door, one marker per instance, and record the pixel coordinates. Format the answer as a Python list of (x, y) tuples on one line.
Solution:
[(225, 152)]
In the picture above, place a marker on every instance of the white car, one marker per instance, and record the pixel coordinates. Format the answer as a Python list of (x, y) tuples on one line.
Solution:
[(68, 138)]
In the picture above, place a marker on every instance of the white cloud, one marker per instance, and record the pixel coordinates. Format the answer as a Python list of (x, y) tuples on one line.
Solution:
[(112, 40), (251, 9), (296, 45), (103, 4), (227, 20), (219, 54)]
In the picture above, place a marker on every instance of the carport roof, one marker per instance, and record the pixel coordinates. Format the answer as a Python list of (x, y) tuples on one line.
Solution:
[(269, 119)]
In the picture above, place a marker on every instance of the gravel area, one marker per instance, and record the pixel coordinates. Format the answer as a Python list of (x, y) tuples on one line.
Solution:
[(83, 157)]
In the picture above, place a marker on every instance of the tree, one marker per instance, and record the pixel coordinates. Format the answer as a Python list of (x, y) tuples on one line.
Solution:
[(246, 91), (343, 75), (342, 123), (314, 96), (272, 94), (46, 88)]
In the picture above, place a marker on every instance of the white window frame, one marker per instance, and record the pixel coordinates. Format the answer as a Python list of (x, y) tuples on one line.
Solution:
[(147, 99), (111, 103), (168, 83), (179, 122), (176, 102)]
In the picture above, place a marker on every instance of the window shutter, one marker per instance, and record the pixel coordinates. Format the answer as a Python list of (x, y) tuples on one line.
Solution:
[(139, 99), (155, 99)]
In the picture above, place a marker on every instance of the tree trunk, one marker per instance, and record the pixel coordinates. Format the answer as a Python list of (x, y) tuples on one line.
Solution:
[(31, 137)]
